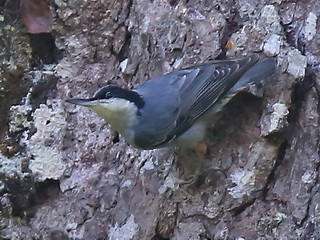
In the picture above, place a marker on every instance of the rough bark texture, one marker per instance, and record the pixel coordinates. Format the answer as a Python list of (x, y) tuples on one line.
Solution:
[(65, 175)]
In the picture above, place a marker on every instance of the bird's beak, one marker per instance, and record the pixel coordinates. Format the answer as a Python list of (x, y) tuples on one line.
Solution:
[(81, 102)]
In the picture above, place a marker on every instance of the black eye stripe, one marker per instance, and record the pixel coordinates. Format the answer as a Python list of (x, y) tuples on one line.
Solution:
[(117, 92)]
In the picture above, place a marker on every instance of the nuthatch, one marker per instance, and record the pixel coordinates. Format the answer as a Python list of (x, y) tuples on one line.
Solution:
[(177, 108)]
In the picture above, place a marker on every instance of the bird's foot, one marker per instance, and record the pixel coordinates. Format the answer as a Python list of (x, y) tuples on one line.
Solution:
[(201, 149)]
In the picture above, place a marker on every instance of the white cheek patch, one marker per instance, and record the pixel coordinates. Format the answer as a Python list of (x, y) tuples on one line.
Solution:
[(116, 105), (119, 113)]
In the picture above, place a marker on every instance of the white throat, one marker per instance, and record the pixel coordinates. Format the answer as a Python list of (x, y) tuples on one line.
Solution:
[(119, 113)]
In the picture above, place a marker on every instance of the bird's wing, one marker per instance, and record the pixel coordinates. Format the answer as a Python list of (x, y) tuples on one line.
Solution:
[(200, 87), (173, 102)]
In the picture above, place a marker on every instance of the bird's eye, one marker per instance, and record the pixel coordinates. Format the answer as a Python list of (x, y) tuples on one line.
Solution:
[(108, 95)]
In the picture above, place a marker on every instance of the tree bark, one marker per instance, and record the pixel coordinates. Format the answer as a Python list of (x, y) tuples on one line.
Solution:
[(64, 174)]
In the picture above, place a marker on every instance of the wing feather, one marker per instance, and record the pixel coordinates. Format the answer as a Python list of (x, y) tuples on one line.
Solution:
[(204, 85)]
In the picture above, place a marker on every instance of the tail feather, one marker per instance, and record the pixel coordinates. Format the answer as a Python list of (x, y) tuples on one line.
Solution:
[(257, 72)]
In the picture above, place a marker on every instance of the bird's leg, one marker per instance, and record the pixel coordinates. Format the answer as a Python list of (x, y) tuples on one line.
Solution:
[(201, 149)]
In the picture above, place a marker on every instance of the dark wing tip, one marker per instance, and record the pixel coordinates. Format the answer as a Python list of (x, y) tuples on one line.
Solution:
[(248, 60), (270, 65), (262, 69)]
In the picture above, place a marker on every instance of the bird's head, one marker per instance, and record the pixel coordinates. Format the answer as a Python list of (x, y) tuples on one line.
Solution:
[(116, 105)]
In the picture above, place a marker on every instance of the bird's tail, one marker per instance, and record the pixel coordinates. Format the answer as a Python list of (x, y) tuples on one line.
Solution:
[(257, 72)]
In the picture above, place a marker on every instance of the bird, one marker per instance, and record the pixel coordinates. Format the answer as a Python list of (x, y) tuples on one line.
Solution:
[(176, 109)]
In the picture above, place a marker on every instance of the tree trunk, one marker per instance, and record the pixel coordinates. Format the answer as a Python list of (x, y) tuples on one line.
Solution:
[(64, 174)]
